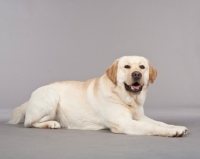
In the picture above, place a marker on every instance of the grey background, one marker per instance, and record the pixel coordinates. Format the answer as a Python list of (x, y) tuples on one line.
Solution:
[(43, 41), (46, 41)]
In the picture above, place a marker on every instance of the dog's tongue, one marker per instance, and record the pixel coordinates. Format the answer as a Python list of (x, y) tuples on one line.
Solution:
[(135, 87)]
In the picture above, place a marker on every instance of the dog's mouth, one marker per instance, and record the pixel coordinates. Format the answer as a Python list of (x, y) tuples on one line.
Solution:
[(135, 87)]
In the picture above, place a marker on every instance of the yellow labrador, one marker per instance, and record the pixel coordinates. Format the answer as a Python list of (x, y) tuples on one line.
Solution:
[(114, 101)]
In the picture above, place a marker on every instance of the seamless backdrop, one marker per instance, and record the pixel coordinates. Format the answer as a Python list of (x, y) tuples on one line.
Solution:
[(46, 41)]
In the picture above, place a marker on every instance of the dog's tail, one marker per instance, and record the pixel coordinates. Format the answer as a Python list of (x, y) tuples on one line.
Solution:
[(18, 114)]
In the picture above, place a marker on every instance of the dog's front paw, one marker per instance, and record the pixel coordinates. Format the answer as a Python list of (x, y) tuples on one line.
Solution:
[(178, 132), (183, 128), (173, 132)]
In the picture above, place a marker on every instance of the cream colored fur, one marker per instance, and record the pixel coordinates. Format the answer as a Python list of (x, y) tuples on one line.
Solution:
[(100, 103)]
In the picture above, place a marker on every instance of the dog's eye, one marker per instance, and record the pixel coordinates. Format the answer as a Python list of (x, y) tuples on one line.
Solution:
[(127, 66), (142, 67)]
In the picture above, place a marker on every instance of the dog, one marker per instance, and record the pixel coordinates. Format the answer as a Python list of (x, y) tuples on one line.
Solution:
[(114, 101)]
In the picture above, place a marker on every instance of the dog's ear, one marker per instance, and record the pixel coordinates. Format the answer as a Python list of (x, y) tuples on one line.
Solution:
[(152, 73), (112, 72)]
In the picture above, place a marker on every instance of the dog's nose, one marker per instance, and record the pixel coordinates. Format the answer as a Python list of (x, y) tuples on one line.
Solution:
[(136, 75)]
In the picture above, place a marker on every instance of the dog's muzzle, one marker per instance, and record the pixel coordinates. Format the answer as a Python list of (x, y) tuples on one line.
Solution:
[(135, 87)]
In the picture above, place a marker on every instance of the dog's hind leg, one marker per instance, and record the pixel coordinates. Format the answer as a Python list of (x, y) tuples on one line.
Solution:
[(41, 109), (47, 125)]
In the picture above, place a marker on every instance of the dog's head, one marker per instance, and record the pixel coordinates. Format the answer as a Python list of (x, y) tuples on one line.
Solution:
[(132, 73)]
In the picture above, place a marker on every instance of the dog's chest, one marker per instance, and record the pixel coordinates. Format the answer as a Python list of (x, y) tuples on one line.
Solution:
[(135, 106), (136, 112)]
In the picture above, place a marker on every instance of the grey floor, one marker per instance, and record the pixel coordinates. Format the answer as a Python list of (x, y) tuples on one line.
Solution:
[(18, 142)]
